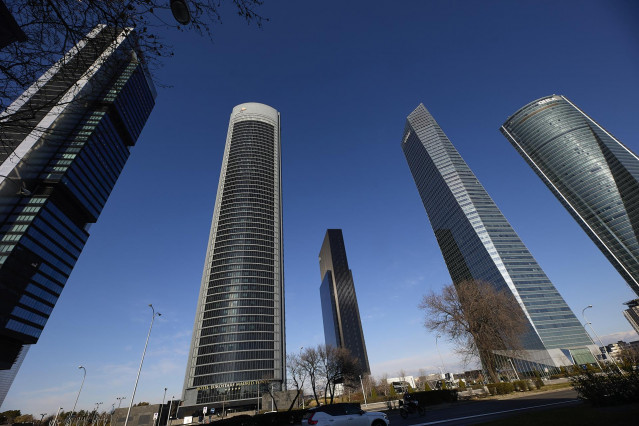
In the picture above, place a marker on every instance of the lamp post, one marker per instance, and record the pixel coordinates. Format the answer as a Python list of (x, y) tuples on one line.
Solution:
[(42, 416), (363, 391), (440, 355), (161, 406), (168, 418), (78, 397), (120, 398), (583, 313), (55, 421), (154, 314)]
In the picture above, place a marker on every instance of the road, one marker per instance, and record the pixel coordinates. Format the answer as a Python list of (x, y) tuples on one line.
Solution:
[(473, 412)]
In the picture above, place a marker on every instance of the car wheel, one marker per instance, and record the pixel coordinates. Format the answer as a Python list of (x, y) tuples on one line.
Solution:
[(378, 423)]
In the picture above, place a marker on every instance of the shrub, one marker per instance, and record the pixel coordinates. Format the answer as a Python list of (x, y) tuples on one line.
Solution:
[(462, 385), (521, 385), (500, 388), (539, 383), (607, 389)]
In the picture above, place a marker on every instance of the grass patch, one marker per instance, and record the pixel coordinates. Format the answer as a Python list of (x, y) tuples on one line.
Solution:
[(581, 414)]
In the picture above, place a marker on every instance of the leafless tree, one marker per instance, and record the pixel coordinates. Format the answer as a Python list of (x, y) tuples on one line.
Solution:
[(310, 363), (337, 366), (478, 319), (297, 375), (383, 384), (54, 28)]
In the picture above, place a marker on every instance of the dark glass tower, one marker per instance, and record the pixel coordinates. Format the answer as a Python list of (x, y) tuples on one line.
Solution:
[(342, 323), (65, 142), (593, 175), (238, 344), (478, 243)]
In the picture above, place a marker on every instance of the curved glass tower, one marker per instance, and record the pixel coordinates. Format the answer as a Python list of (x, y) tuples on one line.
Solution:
[(592, 174), (478, 243), (238, 344)]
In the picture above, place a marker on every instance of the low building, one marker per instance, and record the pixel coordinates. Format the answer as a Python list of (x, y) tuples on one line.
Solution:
[(144, 415)]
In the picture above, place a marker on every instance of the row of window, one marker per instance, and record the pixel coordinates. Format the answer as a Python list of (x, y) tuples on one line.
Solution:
[(242, 273), (246, 266), (238, 311), (235, 347), (242, 280), (238, 303), (234, 366), (237, 337), (236, 328), (238, 320), (243, 295), (234, 356), (241, 287)]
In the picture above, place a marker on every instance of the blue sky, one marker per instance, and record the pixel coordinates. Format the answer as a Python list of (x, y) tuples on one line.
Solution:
[(344, 76)]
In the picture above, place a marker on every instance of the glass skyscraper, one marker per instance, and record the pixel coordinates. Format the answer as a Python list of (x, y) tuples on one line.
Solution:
[(340, 312), (593, 175), (238, 344), (478, 243), (65, 142)]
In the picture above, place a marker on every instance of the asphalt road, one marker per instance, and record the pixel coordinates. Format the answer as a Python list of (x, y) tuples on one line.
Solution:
[(473, 412)]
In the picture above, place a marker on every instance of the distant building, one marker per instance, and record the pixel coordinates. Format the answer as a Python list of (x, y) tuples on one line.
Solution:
[(619, 349), (592, 174), (342, 322), (66, 141), (478, 243), (632, 314), (238, 348), (401, 383)]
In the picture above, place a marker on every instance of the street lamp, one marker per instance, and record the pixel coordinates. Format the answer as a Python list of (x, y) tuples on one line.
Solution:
[(583, 313), (363, 391), (120, 398), (180, 10), (168, 418), (78, 397), (161, 406), (55, 421), (440, 355), (42, 416), (154, 314)]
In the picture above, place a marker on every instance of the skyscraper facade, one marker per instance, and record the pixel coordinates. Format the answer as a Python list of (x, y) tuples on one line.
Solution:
[(238, 344), (478, 243), (65, 142), (593, 175), (340, 312)]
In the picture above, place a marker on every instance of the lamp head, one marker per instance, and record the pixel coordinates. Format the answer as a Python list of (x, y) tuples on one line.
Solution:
[(180, 10)]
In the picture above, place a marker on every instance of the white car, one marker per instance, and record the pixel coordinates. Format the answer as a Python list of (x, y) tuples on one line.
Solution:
[(347, 414)]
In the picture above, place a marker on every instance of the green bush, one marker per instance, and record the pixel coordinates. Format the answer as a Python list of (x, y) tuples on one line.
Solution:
[(521, 385), (607, 389), (462, 385), (539, 383), (500, 388)]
